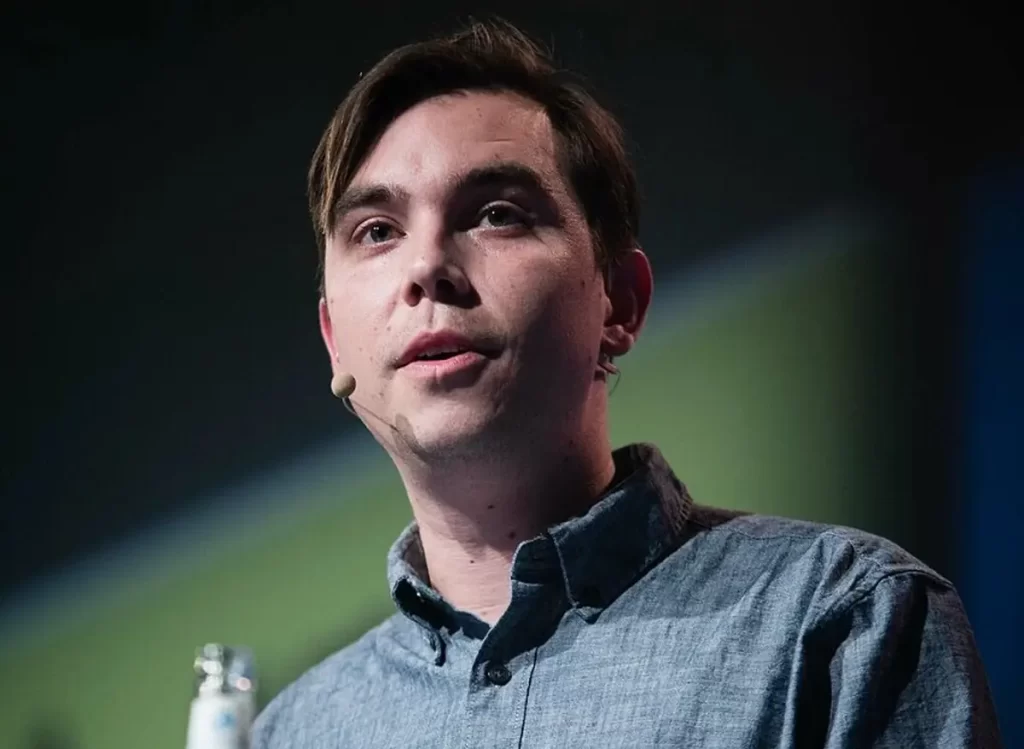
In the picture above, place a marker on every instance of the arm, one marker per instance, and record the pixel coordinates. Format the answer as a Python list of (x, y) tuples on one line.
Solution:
[(906, 673)]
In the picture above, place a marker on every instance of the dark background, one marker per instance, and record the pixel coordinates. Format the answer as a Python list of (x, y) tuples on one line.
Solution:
[(158, 262), (159, 270)]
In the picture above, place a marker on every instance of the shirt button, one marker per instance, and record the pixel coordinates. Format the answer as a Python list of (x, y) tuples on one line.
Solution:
[(498, 673)]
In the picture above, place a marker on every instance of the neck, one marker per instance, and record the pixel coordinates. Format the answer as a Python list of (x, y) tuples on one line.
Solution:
[(472, 517)]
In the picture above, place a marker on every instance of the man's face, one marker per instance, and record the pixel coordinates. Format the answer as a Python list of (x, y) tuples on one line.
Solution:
[(460, 221)]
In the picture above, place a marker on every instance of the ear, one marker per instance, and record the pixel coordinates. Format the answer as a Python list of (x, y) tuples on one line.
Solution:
[(327, 333), (629, 289)]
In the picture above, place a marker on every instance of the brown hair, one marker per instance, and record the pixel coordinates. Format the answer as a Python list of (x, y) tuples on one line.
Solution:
[(488, 55)]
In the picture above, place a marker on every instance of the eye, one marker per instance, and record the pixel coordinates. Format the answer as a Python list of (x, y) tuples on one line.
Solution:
[(502, 215), (375, 232)]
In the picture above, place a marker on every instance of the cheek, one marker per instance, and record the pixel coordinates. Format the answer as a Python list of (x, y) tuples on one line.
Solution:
[(354, 330), (539, 279), (565, 311)]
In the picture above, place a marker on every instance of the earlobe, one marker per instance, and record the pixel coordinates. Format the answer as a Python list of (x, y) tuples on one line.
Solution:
[(616, 341)]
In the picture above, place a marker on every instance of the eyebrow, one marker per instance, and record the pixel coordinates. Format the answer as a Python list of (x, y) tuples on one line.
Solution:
[(502, 173), (364, 197), (498, 174)]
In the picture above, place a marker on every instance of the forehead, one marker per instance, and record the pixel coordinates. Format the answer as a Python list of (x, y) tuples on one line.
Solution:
[(449, 135)]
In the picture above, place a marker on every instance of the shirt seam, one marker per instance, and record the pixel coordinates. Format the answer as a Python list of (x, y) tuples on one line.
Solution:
[(526, 697), (859, 594), (921, 568)]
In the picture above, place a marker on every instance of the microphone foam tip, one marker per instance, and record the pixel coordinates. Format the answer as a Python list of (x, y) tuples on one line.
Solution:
[(343, 385)]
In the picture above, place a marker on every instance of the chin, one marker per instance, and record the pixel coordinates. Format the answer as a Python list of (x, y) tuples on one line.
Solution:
[(452, 430)]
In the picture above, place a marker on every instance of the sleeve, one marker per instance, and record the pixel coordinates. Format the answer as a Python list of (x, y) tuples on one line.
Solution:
[(262, 736), (906, 673), (265, 732)]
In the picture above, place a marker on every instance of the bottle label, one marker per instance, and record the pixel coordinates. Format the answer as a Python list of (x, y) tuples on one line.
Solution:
[(220, 721)]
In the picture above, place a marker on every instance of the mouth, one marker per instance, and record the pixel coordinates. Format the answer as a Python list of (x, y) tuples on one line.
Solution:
[(442, 355), (441, 347), (447, 369)]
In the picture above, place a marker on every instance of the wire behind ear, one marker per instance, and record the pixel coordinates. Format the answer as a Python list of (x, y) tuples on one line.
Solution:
[(604, 363)]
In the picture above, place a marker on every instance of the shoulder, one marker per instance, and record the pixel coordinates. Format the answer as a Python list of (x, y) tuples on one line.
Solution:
[(834, 547), (824, 566), (288, 720)]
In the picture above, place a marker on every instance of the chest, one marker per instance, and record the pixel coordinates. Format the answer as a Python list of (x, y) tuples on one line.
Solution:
[(662, 683)]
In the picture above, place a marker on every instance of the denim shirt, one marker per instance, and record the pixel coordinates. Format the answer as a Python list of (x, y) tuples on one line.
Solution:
[(654, 622)]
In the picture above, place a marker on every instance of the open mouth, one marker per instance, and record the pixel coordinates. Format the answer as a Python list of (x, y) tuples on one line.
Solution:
[(442, 355), (446, 348)]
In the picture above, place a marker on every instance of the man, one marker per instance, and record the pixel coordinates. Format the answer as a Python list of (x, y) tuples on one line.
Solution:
[(478, 221)]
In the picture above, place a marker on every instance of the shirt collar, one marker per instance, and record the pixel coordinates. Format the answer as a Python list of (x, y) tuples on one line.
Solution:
[(597, 556), (409, 581), (633, 526)]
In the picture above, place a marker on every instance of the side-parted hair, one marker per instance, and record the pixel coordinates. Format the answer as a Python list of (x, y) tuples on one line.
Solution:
[(488, 55)]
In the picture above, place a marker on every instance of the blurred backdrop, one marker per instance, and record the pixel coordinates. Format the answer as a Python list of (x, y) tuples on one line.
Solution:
[(832, 203)]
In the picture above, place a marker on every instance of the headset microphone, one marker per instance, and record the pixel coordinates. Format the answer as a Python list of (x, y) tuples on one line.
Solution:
[(343, 385)]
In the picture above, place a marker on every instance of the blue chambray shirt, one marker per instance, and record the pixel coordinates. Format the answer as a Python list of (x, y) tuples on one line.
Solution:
[(655, 622)]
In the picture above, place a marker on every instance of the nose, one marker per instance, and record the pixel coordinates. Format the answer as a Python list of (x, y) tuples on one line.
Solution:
[(436, 274)]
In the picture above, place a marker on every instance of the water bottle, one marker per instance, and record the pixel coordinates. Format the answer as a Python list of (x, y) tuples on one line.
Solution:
[(224, 705)]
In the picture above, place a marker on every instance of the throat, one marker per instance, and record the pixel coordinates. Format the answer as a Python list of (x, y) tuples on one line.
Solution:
[(472, 518)]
